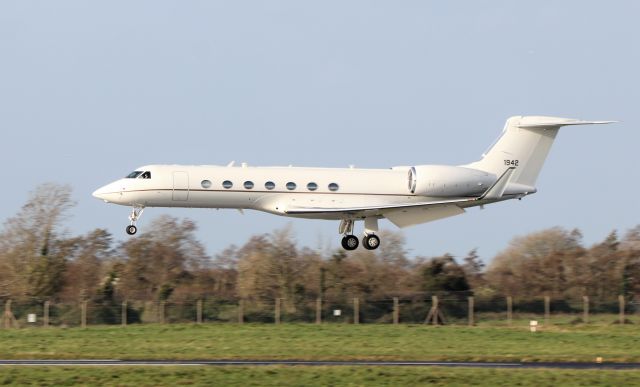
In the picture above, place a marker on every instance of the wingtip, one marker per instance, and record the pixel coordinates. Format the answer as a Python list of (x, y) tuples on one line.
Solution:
[(604, 122)]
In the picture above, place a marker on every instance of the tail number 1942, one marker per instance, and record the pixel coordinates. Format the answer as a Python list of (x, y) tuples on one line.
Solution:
[(511, 163)]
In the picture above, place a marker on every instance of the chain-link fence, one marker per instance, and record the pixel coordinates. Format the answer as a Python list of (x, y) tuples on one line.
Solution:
[(449, 308)]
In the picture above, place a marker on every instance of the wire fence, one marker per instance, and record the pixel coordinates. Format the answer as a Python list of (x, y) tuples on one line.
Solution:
[(449, 309)]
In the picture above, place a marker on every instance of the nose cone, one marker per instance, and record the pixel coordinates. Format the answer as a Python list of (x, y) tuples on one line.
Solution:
[(101, 193), (110, 193)]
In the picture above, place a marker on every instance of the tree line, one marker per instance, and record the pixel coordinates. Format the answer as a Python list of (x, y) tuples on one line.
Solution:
[(39, 262)]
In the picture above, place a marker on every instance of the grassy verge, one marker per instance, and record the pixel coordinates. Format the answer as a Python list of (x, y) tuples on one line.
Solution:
[(310, 376), (326, 342)]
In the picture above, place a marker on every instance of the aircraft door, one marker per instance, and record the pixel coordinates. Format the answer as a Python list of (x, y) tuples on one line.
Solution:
[(180, 186)]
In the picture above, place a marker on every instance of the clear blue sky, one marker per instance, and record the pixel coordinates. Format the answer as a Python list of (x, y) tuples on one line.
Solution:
[(91, 90)]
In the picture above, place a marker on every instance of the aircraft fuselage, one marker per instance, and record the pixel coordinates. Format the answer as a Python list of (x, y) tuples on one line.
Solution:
[(406, 195)]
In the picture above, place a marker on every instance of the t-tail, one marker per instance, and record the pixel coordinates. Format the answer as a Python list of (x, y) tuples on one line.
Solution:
[(524, 145)]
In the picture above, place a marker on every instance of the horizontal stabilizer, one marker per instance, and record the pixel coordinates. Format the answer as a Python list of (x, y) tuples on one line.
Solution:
[(553, 122)]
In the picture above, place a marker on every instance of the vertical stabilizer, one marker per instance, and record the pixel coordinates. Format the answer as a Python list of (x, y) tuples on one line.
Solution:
[(524, 144)]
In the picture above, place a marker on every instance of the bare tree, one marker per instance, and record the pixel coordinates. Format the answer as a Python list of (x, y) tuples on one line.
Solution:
[(87, 269), (536, 263), (474, 269), (162, 260), (32, 252), (270, 266)]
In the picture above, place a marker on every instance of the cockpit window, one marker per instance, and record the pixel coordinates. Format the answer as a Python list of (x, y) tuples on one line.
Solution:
[(134, 174), (139, 175)]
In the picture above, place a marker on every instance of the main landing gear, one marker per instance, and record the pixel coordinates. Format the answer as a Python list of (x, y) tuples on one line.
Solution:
[(136, 213), (370, 240), (350, 242)]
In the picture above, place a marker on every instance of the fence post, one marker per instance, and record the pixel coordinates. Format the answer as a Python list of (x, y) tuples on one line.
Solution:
[(585, 309), (8, 317), (356, 310), (621, 307), (547, 309), (199, 312), (83, 314), (434, 314), (396, 310), (277, 311), (509, 309), (161, 312), (318, 310), (45, 319), (123, 314), (471, 311), (241, 311)]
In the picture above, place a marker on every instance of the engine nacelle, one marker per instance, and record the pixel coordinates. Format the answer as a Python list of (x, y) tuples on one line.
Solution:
[(448, 181)]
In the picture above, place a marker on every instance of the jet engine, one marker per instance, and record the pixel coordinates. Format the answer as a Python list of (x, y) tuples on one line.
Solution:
[(448, 181)]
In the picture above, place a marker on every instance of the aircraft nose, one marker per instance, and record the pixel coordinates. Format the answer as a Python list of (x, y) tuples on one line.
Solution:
[(100, 193), (109, 193)]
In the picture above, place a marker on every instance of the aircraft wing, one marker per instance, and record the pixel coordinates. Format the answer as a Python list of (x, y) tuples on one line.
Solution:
[(402, 215), (376, 208), (409, 214)]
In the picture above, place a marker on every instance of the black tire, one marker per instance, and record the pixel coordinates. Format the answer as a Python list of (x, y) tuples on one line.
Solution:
[(132, 230), (350, 242), (371, 242)]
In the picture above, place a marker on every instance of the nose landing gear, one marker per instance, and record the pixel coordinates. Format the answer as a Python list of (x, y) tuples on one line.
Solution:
[(136, 213)]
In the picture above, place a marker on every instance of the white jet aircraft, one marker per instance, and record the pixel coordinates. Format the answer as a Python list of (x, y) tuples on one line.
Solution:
[(406, 195)]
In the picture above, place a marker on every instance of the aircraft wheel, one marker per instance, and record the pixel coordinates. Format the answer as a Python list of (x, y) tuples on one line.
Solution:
[(131, 230), (371, 242), (350, 242)]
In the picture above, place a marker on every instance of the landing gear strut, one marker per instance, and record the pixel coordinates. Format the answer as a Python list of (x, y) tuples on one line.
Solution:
[(349, 241), (136, 213), (370, 241)]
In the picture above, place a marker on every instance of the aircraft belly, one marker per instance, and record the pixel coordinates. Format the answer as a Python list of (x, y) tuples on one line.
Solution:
[(324, 205), (412, 216)]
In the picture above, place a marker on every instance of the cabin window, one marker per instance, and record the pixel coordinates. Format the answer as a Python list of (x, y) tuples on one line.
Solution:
[(333, 187), (227, 184), (312, 186), (146, 175), (291, 186), (248, 184), (269, 185), (134, 174), (206, 183)]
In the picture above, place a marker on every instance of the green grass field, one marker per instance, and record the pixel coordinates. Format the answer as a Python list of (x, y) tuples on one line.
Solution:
[(616, 343), (562, 342), (310, 376)]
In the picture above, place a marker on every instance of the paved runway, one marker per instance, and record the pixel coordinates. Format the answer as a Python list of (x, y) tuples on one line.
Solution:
[(156, 363)]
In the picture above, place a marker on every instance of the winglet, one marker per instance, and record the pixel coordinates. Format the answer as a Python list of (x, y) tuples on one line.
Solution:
[(498, 188)]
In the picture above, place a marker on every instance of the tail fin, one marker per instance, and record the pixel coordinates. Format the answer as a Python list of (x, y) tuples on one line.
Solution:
[(524, 144)]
